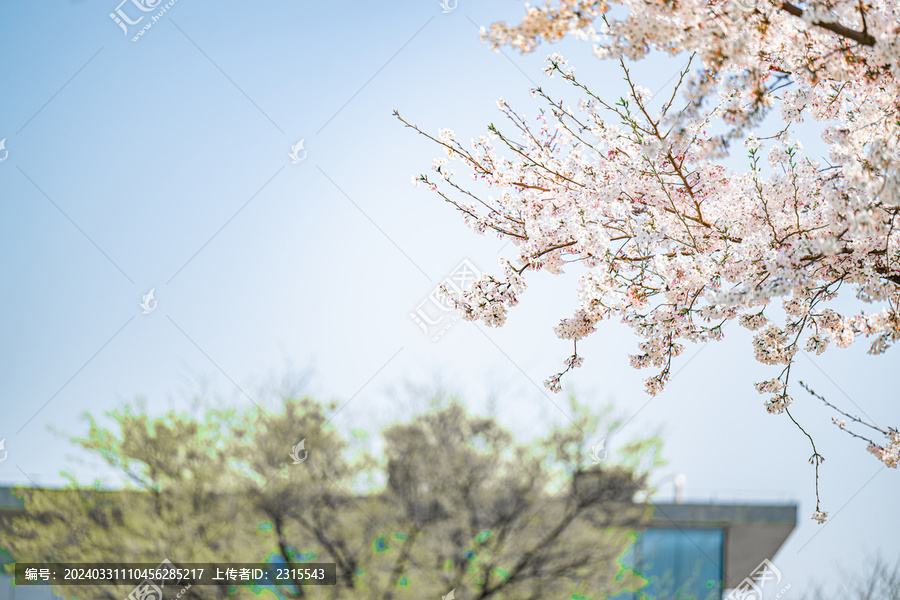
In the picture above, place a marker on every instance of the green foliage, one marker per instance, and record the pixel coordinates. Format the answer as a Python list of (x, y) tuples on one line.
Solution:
[(464, 506)]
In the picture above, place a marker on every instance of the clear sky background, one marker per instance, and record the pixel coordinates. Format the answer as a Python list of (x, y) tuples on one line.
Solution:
[(164, 164)]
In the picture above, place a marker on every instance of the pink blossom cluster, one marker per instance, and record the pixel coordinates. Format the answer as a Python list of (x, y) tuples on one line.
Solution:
[(820, 516), (671, 242), (675, 245), (889, 454), (489, 298)]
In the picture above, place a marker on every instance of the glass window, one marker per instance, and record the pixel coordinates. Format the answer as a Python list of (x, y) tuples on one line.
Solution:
[(682, 564)]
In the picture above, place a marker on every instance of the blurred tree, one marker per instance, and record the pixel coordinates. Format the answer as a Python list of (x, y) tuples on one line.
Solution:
[(879, 581), (462, 506)]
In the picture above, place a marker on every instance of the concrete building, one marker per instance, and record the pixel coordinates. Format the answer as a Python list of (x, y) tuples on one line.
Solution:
[(701, 551)]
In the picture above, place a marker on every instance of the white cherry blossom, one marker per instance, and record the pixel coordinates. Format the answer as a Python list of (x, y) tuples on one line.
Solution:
[(675, 244)]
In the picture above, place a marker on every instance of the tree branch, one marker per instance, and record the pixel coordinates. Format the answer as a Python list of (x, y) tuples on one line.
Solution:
[(860, 37)]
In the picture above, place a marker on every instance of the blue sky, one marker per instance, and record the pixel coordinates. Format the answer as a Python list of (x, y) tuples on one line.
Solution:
[(164, 163)]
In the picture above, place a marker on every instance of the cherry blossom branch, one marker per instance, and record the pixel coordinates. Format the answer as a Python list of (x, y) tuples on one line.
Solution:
[(860, 37), (853, 418), (816, 459)]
